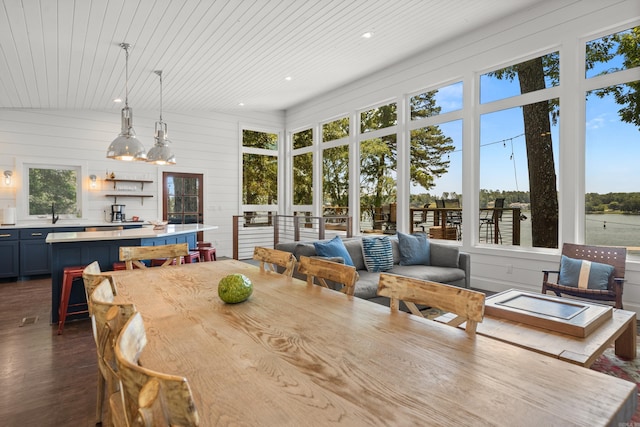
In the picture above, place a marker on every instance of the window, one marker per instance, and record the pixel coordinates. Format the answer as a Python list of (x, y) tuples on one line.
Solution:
[(378, 118), (303, 139), (378, 183), (535, 74), (337, 129), (519, 162), (53, 187), (303, 179), (440, 101), (259, 175), (612, 144), (612, 53), (436, 158), (519, 155)]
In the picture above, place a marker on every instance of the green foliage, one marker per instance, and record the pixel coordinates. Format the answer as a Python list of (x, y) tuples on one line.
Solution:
[(259, 172), (303, 179), (49, 186), (335, 176), (627, 45)]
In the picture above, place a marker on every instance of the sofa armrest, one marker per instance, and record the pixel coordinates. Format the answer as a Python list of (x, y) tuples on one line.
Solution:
[(464, 263)]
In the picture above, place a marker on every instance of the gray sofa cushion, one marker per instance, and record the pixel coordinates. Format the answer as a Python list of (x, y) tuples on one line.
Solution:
[(444, 255), (354, 247)]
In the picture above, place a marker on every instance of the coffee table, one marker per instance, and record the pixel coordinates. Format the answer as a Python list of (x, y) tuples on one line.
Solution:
[(620, 329)]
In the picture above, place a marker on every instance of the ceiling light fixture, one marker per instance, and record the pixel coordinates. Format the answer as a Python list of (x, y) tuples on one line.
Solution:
[(161, 154), (367, 35), (126, 146)]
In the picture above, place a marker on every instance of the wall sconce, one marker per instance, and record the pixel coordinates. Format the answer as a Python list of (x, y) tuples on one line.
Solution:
[(93, 181), (7, 177)]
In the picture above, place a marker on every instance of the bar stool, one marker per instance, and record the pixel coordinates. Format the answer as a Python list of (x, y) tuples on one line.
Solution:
[(207, 254), (69, 274), (194, 256), (159, 261)]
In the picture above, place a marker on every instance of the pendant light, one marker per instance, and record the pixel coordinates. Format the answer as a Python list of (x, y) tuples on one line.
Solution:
[(161, 154), (126, 146)]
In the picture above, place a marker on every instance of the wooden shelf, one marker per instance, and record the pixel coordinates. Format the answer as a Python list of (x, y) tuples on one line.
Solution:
[(115, 196), (117, 180)]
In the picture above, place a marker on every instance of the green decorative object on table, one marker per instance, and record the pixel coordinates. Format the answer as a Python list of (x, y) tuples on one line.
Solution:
[(235, 288)]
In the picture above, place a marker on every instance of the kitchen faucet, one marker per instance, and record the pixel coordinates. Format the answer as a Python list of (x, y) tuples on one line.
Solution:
[(54, 218)]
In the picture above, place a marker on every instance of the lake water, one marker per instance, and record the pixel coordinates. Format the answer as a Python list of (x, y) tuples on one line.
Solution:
[(604, 229)]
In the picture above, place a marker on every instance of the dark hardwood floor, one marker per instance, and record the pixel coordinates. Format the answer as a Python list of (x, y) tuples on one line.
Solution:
[(47, 379)]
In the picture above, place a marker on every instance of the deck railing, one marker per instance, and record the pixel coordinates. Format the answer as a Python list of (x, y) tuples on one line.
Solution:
[(269, 230), (497, 225)]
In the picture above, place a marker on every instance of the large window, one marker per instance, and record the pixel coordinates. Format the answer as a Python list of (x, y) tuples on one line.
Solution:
[(519, 156), (436, 160), (259, 175), (612, 152), (335, 167), (53, 188), (378, 169)]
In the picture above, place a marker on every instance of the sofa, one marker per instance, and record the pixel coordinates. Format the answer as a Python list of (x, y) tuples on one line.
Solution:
[(447, 264)]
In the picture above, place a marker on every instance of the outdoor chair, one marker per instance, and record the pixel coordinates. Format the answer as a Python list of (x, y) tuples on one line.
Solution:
[(490, 221), (345, 276), (467, 305), (591, 272), (150, 398), (271, 258)]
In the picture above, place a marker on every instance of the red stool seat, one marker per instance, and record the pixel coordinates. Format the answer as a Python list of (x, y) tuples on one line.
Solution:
[(204, 244), (194, 256), (159, 261), (69, 274), (207, 254)]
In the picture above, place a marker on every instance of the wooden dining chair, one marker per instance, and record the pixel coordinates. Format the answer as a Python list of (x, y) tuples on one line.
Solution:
[(568, 282), (271, 258), (467, 305), (92, 277), (150, 398), (107, 320), (134, 255), (323, 270)]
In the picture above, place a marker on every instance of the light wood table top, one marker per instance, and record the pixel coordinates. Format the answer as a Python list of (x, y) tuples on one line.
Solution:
[(621, 329), (296, 355)]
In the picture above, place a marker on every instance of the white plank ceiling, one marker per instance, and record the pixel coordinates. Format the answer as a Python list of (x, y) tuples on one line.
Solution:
[(215, 54)]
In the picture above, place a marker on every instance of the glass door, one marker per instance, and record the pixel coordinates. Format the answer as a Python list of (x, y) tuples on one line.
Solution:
[(182, 198)]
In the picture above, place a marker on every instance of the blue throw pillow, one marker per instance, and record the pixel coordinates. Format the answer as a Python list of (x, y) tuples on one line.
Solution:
[(378, 255), (414, 249), (584, 274), (333, 248)]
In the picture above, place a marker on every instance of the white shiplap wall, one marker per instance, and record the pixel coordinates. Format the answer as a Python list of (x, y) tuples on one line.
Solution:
[(204, 142), (563, 25)]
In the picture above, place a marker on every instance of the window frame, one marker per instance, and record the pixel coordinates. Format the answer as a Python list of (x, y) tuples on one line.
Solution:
[(82, 186)]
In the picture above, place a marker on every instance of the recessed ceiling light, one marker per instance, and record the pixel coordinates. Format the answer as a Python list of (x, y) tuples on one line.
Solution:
[(117, 100), (241, 104), (288, 78), (367, 35)]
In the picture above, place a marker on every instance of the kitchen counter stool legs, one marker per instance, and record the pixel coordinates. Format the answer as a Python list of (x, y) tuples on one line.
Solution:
[(68, 276)]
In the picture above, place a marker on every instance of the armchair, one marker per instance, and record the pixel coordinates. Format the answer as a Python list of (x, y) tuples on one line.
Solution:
[(609, 291)]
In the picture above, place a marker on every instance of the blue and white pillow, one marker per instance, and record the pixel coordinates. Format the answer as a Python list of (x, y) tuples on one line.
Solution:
[(584, 274), (378, 254)]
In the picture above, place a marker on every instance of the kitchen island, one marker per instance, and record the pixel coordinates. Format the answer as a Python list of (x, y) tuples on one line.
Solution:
[(83, 247)]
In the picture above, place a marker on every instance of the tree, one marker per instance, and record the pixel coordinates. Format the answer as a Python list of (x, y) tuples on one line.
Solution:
[(429, 146), (259, 172), (537, 129)]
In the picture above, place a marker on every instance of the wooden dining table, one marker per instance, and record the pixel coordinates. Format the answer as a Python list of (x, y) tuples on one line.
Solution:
[(295, 354)]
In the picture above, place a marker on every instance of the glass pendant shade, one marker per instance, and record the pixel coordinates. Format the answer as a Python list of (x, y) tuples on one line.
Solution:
[(126, 146), (161, 154)]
